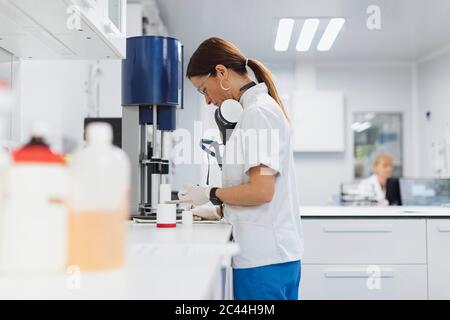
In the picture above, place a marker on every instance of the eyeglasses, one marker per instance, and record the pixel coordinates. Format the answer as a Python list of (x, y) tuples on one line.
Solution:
[(200, 88)]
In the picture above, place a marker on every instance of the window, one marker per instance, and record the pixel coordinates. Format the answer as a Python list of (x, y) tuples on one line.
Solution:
[(376, 133)]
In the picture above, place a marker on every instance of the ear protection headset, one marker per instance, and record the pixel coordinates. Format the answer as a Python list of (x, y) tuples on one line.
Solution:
[(226, 116)]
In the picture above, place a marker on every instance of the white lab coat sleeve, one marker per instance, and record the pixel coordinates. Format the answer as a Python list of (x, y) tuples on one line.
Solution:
[(261, 137), (365, 187)]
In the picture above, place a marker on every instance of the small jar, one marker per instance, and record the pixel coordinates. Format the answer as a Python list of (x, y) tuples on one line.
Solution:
[(187, 217)]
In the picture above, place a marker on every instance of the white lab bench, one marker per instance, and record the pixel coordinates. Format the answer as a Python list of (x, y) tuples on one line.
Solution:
[(186, 262), (376, 253)]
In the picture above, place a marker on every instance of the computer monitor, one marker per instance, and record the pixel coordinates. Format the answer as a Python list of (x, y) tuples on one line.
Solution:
[(425, 191)]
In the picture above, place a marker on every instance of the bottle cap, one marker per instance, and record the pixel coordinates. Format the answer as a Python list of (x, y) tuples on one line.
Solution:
[(39, 129), (37, 150), (99, 132)]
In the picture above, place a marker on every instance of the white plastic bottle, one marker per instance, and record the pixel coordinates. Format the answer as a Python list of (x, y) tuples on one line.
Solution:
[(98, 202), (34, 222)]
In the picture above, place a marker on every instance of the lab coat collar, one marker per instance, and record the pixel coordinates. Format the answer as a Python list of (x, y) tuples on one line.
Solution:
[(248, 95)]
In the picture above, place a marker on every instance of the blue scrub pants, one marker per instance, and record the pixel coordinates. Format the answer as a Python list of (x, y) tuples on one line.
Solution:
[(273, 282)]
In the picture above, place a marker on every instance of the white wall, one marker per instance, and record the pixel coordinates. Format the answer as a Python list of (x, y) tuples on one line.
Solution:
[(6, 67), (52, 92), (188, 174), (433, 94), (56, 92), (366, 87)]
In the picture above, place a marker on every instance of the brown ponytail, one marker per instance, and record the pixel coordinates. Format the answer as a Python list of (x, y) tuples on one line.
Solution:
[(214, 51), (263, 74)]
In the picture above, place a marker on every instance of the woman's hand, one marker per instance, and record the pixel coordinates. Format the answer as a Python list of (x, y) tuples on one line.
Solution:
[(196, 194), (259, 190), (207, 211)]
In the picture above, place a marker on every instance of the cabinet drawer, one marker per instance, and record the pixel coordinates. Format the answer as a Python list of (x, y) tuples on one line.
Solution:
[(439, 258), (361, 282), (364, 241)]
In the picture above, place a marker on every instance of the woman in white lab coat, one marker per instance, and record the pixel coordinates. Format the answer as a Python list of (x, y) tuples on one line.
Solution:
[(258, 194), (376, 183)]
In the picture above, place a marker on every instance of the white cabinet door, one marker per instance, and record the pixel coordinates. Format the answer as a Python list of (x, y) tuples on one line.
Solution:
[(360, 282), (64, 29), (364, 241), (439, 258), (318, 118), (107, 18)]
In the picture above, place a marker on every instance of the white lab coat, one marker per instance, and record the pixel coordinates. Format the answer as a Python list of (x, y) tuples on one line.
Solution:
[(269, 233), (372, 186)]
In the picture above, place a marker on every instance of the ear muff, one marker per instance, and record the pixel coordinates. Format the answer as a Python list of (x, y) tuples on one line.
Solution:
[(227, 116), (229, 113), (230, 110)]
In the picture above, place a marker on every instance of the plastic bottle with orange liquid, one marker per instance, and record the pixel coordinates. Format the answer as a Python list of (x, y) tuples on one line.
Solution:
[(98, 202)]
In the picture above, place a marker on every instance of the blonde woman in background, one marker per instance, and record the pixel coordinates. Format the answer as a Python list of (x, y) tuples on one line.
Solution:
[(376, 183)]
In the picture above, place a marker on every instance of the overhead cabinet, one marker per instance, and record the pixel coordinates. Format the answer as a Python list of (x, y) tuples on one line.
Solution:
[(318, 121), (63, 29), (376, 258)]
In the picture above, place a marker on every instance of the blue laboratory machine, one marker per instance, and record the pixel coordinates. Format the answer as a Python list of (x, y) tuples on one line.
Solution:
[(152, 91)]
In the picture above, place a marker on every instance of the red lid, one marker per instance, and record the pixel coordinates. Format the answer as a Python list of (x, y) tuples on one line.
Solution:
[(36, 154), (4, 83)]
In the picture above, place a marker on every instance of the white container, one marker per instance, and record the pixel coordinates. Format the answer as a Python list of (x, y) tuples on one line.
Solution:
[(33, 229), (165, 192), (187, 217), (98, 202), (166, 215)]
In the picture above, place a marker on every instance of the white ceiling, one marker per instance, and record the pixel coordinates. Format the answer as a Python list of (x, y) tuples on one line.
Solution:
[(411, 29)]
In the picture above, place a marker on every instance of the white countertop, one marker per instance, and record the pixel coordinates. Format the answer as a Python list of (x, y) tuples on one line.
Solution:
[(362, 211), (180, 263), (212, 233)]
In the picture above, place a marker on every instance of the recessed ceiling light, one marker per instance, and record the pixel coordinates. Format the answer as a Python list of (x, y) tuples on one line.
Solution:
[(331, 32), (285, 27), (307, 34)]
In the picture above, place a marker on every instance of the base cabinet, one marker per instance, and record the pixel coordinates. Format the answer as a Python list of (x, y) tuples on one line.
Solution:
[(376, 258), (438, 243), (361, 282)]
